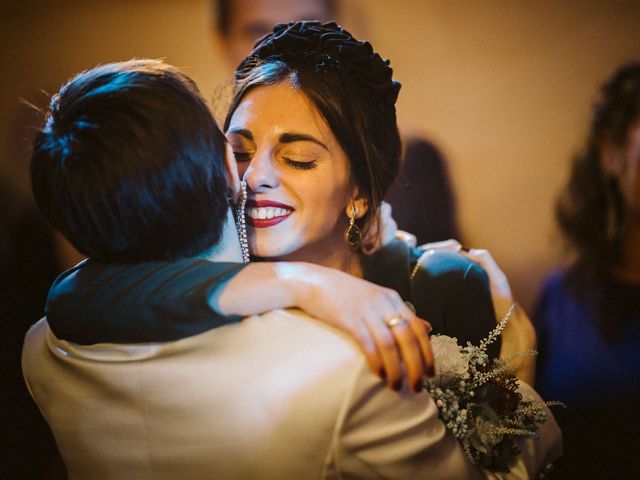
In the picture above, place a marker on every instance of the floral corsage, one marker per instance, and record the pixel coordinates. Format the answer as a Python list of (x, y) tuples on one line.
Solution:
[(479, 402)]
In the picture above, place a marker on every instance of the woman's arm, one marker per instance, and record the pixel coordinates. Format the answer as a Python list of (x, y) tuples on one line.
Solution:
[(519, 335), (352, 305)]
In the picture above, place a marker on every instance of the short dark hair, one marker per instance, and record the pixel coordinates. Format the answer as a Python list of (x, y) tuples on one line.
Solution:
[(349, 84), (222, 9), (129, 164)]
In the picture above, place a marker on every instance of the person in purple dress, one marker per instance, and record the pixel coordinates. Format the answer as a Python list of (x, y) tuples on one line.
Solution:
[(588, 316)]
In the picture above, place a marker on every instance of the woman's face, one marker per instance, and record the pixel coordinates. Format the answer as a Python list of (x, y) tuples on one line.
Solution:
[(630, 178), (296, 172), (623, 163)]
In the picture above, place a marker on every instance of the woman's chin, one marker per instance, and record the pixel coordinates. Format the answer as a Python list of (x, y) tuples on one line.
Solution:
[(270, 248)]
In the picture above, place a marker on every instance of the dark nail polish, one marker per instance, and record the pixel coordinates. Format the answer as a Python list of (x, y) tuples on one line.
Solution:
[(397, 385), (418, 386), (382, 373)]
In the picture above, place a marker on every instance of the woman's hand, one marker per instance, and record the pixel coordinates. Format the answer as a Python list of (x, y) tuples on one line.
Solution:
[(498, 282), (359, 308), (519, 335)]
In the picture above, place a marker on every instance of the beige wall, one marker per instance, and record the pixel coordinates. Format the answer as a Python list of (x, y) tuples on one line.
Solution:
[(503, 87)]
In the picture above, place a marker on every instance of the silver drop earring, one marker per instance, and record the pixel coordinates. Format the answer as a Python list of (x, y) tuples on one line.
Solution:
[(242, 223)]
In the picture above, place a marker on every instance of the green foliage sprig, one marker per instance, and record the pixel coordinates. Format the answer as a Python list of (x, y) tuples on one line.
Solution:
[(479, 401)]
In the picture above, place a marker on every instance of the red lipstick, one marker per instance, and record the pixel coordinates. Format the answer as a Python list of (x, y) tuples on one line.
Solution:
[(266, 222)]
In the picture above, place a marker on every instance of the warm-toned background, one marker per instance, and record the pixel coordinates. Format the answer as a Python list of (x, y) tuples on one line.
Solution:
[(502, 87)]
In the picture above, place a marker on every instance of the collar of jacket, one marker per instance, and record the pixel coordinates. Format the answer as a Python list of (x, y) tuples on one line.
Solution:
[(132, 303)]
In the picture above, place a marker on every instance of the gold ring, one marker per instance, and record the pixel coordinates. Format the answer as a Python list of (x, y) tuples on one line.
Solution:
[(394, 321)]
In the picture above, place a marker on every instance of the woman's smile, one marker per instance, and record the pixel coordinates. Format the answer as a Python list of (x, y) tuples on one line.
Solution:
[(266, 213)]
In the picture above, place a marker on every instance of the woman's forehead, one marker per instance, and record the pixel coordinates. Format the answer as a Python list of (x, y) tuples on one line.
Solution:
[(280, 108)]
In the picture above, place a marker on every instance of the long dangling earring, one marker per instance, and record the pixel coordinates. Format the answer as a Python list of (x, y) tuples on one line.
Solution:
[(353, 235), (241, 222)]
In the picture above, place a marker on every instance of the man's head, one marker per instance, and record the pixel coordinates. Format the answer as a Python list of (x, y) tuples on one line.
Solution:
[(130, 165), (240, 23)]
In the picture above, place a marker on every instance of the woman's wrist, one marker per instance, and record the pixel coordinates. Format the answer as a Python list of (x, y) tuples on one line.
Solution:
[(260, 287)]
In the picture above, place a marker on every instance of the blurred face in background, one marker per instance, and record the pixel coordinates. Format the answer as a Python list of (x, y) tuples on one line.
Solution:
[(623, 163), (630, 173), (249, 20)]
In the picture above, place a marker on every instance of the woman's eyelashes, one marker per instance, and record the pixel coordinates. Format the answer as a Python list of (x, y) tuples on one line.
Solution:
[(242, 156), (298, 165)]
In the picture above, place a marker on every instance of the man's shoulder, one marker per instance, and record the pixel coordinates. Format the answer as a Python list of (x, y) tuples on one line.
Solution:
[(278, 335), (445, 275), (295, 334), (445, 266), (143, 302)]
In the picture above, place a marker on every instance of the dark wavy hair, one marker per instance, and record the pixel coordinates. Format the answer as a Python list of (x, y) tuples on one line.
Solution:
[(591, 211), (129, 164), (349, 84)]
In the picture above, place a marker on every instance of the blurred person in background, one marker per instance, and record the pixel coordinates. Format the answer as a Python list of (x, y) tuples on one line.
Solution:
[(588, 315), (421, 197), (31, 256)]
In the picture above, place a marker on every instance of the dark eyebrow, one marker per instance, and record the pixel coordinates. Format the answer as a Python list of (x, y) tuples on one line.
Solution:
[(242, 132), (300, 137)]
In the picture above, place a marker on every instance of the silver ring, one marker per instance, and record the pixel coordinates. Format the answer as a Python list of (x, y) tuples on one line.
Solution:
[(394, 321)]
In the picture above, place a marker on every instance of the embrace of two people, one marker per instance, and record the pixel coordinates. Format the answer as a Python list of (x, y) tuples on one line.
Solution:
[(163, 355)]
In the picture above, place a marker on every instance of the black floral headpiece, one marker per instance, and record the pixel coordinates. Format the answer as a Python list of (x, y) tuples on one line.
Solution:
[(326, 47)]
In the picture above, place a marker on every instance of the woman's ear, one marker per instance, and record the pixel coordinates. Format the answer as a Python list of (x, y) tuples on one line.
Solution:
[(231, 170), (357, 206)]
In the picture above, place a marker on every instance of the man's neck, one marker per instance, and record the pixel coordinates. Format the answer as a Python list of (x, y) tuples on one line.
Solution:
[(228, 248)]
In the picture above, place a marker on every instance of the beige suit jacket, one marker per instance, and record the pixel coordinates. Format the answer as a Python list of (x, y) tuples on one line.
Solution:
[(276, 396)]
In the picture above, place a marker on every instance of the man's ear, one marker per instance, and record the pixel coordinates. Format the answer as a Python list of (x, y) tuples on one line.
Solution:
[(231, 170), (611, 158)]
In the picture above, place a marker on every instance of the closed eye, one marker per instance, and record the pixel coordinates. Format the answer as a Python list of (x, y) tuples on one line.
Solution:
[(242, 156), (298, 165)]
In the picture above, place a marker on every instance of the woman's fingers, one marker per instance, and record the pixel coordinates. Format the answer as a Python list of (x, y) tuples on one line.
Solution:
[(360, 309), (408, 238), (421, 329), (367, 343), (412, 339), (497, 278), (450, 244), (498, 282), (387, 351), (410, 351), (402, 340)]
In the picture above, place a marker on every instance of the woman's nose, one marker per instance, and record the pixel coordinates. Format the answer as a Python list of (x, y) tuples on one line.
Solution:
[(261, 173)]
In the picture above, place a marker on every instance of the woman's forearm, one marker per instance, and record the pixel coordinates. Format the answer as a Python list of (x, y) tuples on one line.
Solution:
[(354, 306)]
